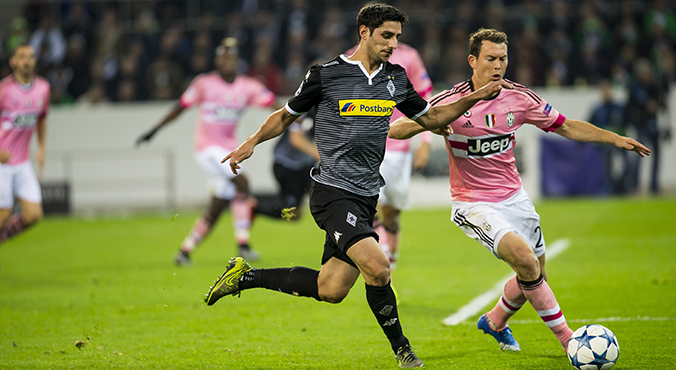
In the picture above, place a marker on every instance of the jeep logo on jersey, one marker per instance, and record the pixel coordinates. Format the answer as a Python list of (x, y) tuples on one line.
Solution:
[(489, 145), (366, 107), (26, 120)]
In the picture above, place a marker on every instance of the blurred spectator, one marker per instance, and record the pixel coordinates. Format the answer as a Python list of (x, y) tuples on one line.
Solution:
[(18, 33), (59, 78), (645, 101), (660, 21), (264, 68), (107, 33), (129, 75), (556, 42), (78, 22), (49, 43), (94, 96), (126, 90), (164, 79), (609, 115), (77, 59)]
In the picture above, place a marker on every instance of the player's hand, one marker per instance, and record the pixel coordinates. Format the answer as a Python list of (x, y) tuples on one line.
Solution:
[(628, 143), (443, 131), (492, 89), (146, 137), (240, 154), (5, 156)]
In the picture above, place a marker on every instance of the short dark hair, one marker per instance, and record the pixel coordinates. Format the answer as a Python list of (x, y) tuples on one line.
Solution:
[(487, 34), (374, 15)]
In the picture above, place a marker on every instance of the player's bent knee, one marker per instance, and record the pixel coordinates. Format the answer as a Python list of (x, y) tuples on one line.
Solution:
[(528, 267), (378, 276), (333, 295), (33, 217)]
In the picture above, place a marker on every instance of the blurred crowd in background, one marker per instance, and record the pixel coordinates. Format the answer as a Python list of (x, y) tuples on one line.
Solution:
[(149, 50)]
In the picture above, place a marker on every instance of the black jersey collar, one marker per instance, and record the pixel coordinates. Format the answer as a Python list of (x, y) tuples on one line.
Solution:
[(363, 69)]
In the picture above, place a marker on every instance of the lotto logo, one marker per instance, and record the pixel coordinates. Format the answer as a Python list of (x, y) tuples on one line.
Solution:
[(366, 107)]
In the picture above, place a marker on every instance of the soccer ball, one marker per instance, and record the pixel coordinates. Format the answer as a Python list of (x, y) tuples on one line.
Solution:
[(593, 347)]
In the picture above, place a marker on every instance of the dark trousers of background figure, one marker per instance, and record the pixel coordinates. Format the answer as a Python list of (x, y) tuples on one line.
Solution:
[(293, 184), (648, 135), (616, 169)]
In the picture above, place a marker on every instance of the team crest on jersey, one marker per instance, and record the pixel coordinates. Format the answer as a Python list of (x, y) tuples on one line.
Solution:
[(351, 219), (490, 120), (510, 119), (486, 226), (390, 87), (467, 114)]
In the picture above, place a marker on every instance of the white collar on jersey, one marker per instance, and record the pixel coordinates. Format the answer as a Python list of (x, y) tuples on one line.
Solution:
[(357, 62)]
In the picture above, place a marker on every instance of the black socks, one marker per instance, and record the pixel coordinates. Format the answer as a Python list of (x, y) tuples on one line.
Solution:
[(298, 281), (383, 303)]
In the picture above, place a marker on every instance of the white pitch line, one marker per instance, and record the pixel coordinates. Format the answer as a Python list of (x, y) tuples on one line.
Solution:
[(474, 306)]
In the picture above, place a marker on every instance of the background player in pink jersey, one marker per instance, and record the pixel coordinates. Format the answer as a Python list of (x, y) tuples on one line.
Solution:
[(489, 203), (24, 103), (398, 160), (222, 97)]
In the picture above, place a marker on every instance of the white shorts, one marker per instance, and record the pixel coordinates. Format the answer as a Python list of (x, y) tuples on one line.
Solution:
[(20, 181), (396, 170), (221, 175), (487, 222)]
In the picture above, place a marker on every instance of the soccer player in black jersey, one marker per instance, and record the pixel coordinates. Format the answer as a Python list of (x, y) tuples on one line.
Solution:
[(354, 97)]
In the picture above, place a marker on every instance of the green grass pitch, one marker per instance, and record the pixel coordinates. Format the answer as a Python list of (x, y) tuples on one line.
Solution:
[(110, 283)]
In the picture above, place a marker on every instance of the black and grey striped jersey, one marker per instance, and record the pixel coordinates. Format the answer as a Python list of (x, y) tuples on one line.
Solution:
[(352, 120)]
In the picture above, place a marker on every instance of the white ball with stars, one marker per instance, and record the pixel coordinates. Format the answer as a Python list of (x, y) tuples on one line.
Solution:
[(593, 347)]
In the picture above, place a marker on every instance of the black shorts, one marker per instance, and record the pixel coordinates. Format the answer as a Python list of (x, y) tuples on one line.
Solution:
[(292, 184), (346, 217)]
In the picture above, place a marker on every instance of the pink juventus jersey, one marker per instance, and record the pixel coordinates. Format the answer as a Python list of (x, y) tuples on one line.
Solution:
[(21, 106), (221, 105), (480, 150), (407, 57)]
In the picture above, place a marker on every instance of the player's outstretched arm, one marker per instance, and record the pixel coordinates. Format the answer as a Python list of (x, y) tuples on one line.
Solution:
[(273, 126), (175, 111), (586, 132), (439, 117)]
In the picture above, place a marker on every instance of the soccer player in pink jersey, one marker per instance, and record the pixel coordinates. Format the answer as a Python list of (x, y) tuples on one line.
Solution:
[(488, 201), (24, 103), (398, 160), (222, 97)]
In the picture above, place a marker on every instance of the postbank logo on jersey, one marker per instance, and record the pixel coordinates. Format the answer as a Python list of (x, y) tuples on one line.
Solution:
[(366, 107)]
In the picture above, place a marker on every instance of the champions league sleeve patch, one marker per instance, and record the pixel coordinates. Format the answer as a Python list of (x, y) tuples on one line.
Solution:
[(547, 110)]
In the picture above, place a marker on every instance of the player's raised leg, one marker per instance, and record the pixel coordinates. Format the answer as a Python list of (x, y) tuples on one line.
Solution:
[(390, 222), (531, 278), (242, 208), (200, 230)]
